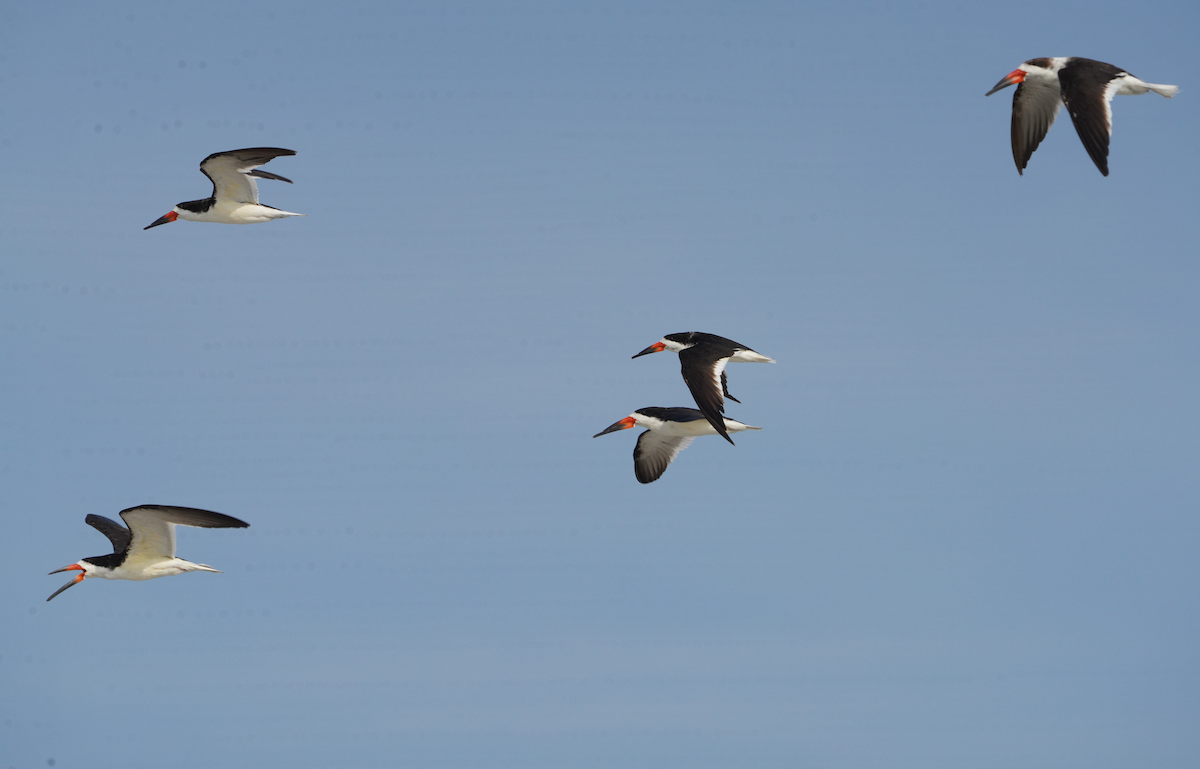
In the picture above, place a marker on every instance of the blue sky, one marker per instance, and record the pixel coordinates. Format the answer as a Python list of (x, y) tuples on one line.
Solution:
[(966, 535)]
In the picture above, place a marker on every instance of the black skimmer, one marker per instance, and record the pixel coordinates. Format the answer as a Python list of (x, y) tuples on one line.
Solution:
[(146, 549), (1086, 86), (702, 358), (668, 432), (235, 193)]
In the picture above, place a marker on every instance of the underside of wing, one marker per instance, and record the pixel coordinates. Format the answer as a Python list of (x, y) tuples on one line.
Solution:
[(152, 535), (153, 527), (233, 173), (655, 452), (1035, 105), (188, 516)]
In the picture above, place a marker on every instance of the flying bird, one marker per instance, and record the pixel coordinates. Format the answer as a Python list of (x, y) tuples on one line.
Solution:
[(234, 198), (668, 432), (146, 549), (1086, 86), (702, 359)]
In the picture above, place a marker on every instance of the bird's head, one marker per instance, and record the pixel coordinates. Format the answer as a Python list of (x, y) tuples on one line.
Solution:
[(672, 342), (1042, 70)]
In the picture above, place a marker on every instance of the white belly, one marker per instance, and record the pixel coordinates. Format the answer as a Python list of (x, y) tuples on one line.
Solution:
[(232, 212)]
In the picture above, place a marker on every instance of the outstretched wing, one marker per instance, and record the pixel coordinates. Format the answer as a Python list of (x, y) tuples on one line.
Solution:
[(116, 533), (232, 173), (1088, 93), (1035, 106), (705, 377), (153, 527), (654, 452)]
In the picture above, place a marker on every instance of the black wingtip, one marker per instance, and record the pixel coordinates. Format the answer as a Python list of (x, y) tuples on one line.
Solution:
[(260, 174)]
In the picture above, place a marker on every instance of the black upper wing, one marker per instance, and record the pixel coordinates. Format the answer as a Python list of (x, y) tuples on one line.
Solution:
[(116, 533), (725, 387), (704, 373), (188, 516), (1085, 91)]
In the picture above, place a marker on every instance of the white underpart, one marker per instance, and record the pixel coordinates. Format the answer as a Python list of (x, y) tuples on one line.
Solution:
[(664, 440), (148, 569), (1128, 85), (233, 212), (236, 193), (750, 356), (692, 429)]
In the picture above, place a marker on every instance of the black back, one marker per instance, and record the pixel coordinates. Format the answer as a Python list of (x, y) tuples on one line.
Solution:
[(199, 206), (699, 338), (673, 413), (110, 561)]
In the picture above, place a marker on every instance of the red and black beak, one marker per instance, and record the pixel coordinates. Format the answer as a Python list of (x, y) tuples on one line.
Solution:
[(624, 424), (1012, 78), (170, 217), (76, 581), (656, 347)]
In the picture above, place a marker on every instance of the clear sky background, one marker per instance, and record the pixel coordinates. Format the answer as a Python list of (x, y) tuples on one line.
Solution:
[(966, 536)]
